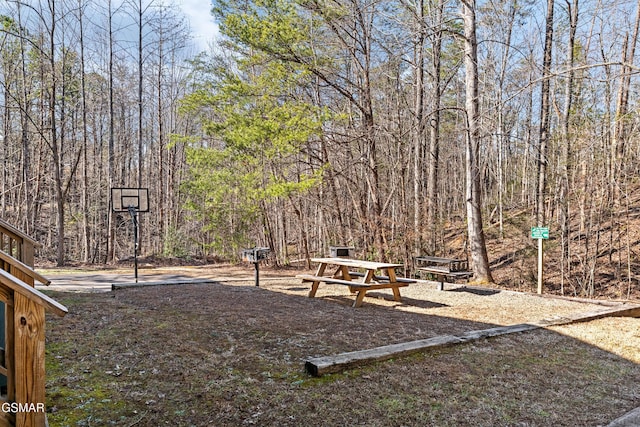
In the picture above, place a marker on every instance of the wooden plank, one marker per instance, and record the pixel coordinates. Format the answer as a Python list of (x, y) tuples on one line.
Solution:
[(434, 269), (378, 277), (6, 296), (310, 278), (619, 311), (438, 260), (7, 419), (445, 276), (355, 285), (374, 286), (16, 234), (318, 366), (9, 354), (116, 286), (19, 287), (460, 274), (27, 272), (630, 419), (356, 263), (29, 321)]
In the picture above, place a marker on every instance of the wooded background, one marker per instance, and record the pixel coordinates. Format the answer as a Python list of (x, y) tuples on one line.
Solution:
[(312, 123)]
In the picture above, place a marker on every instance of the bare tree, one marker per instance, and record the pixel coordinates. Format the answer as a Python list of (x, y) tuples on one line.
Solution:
[(566, 154), (433, 154), (545, 122), (478, 249)]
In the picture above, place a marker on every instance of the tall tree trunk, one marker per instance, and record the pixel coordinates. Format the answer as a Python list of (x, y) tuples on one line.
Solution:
[(433, 155), (418, 125), (479, 257), (541, 187), (501, 137), (30, 219), (85, 131), (54, 143), (111, 229), (140, 82), (622, 103), (565, 155), (162, 181), (364, 25)]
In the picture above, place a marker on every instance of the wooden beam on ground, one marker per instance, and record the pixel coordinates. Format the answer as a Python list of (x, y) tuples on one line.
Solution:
[(318, 366), (630, 419), (116, 286)]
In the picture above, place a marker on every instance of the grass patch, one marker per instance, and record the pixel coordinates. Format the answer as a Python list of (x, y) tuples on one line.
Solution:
[(231, 356)]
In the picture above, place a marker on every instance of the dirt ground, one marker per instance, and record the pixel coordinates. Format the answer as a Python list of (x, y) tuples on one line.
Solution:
[(232, 354)]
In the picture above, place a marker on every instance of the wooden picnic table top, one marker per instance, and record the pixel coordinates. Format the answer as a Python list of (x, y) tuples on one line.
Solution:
[(356, 263)]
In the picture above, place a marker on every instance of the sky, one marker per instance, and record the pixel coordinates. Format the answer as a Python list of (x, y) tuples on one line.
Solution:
[(203, 28)]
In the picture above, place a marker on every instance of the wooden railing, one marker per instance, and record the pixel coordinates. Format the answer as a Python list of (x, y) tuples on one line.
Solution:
[(20, 270), (22, 361), (17, 244)]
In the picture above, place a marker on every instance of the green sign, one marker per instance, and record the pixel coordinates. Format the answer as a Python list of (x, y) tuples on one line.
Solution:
[(539, 232)]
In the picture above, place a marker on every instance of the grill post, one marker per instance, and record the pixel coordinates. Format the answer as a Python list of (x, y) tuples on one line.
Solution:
[(257, 272), (255, 255)]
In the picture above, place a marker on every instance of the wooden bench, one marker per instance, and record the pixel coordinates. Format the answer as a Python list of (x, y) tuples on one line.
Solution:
[(361, 288), (444, 276), (443, 269)]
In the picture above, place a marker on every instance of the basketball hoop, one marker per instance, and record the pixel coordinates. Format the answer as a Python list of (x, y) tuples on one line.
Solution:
[(132, 200)]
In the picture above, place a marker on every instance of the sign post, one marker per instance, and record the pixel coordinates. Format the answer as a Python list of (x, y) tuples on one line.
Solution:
[(540, 233)]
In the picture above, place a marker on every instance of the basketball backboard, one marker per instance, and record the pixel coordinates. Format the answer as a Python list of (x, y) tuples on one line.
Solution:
[(124, 198)]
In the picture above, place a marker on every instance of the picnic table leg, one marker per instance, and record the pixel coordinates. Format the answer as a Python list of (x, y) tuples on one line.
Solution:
[(391, 274), (365, 279), (321, 268), (314, 285), (396, 294), (345, 273), (368, 277), (314, 289), (359, 298)]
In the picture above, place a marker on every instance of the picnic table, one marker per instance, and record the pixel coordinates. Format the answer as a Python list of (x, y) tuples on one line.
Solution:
[(443, 269), (360, 276)]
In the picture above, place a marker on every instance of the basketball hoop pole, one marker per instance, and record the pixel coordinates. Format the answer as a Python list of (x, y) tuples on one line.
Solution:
[(134, 221)]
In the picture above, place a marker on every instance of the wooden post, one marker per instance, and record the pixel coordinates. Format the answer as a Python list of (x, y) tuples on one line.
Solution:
[(540, 233), (540, 265), (29, 321)]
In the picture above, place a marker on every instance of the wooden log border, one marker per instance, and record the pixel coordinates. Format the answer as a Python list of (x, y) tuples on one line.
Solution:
[(318, 366)]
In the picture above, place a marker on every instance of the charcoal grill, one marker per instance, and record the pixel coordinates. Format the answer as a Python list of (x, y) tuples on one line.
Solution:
[(255, 255), (341, 251)]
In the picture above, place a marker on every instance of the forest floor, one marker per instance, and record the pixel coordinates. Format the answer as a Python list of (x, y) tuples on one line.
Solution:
[(231, 354)]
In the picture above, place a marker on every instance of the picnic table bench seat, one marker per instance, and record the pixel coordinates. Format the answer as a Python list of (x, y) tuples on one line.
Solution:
[(356, 285), (398, 279)]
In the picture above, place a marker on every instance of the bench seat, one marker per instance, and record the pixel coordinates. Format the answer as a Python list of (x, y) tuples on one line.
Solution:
[(312, 278), (352, 284), (398, 279), (444, 273)]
